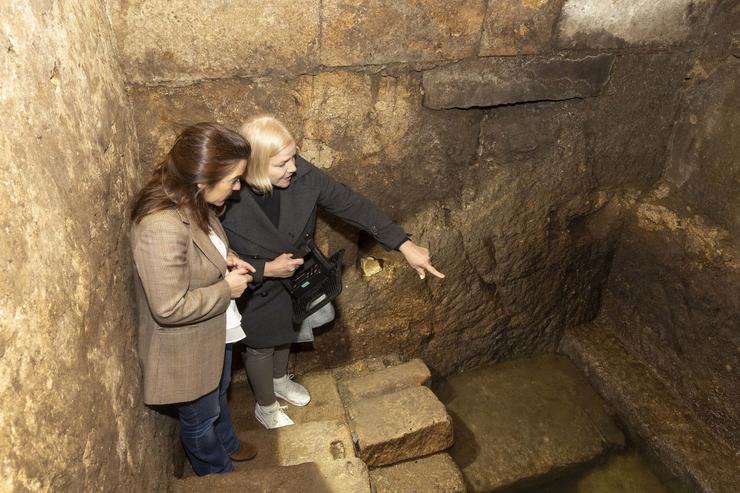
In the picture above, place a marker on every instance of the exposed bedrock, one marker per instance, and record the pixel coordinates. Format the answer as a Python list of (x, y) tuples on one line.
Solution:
[(519, 204), (672, 296), (71, 412)]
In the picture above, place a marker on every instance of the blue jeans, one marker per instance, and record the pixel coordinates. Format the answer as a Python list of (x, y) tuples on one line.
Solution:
[(206, 430)]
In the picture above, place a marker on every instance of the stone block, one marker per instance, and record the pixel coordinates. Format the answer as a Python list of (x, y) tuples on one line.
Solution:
[(402, 425), (368, 33), (315, 441), (183, 40), (508, 80), (385, 381), (365, 366), (610, 24), (519, 27), (339, 476), (436, 473), (525, 421)]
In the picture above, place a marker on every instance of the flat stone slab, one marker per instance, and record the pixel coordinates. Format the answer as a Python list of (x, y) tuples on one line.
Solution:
[(401, 425), (316, 441), (672, 432), (385, 381), (325, 403), (339, 476), (525, 421), (365, 366), (436, 473), (508, 80)]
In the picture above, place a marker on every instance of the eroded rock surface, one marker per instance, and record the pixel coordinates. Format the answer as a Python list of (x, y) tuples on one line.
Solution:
[(186, 41), (519, 27), (672, 296), (683, 444), (71, 414)]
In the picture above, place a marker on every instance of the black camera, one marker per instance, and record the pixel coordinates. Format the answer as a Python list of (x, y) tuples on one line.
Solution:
[(315, 283)]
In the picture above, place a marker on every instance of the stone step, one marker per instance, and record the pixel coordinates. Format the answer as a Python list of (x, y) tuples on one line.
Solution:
[(402, 425), (365, 366), (314, 441), (385, 381), (436, 473), (325, 403), (525, 421), (337, 476)]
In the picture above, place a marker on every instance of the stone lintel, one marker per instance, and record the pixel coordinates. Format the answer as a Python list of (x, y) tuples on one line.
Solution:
[(508, 80)]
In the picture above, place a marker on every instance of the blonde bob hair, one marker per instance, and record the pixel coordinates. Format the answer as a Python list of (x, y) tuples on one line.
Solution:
[(267, 136)]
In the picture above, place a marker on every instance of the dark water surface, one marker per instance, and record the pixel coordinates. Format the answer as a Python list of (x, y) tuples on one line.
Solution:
[(627, 472)]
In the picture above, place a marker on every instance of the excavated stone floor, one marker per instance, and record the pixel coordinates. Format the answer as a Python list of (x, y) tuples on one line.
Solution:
[(518, 426), (337, 440)]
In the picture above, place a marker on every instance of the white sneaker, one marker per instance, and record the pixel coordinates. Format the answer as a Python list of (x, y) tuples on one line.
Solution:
[(293, 392), (272, 416)]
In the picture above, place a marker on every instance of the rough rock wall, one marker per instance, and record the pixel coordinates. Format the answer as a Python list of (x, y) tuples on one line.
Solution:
[(71, 416), (511, 168), (674, 291)]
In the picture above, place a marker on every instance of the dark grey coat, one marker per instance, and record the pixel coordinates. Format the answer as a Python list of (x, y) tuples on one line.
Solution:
[(267, 307)]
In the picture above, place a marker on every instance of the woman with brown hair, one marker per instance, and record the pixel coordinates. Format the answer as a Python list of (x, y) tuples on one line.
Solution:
[(185, 283)]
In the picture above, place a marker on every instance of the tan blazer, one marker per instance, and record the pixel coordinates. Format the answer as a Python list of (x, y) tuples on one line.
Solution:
[(181, 298)]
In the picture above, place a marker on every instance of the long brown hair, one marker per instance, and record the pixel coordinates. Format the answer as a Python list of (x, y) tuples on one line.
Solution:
[(203, 154)]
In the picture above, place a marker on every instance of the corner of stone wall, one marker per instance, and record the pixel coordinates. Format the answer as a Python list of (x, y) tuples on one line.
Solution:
[(72, 414)]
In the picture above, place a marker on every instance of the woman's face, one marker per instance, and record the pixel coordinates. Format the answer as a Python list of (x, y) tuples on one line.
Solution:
[(282, 166), (218, 193)]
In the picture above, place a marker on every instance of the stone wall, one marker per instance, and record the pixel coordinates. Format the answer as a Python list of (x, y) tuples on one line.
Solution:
[(511, 137), (71, 415), (673, 295)]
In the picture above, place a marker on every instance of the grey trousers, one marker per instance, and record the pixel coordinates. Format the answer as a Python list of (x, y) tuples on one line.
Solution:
[(264, 364)]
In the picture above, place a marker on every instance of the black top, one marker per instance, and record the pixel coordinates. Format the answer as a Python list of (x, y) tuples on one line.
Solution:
[(269, 203), (266, 306)]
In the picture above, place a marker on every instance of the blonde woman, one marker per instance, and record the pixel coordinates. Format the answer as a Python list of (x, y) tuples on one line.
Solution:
[(269, 226)]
